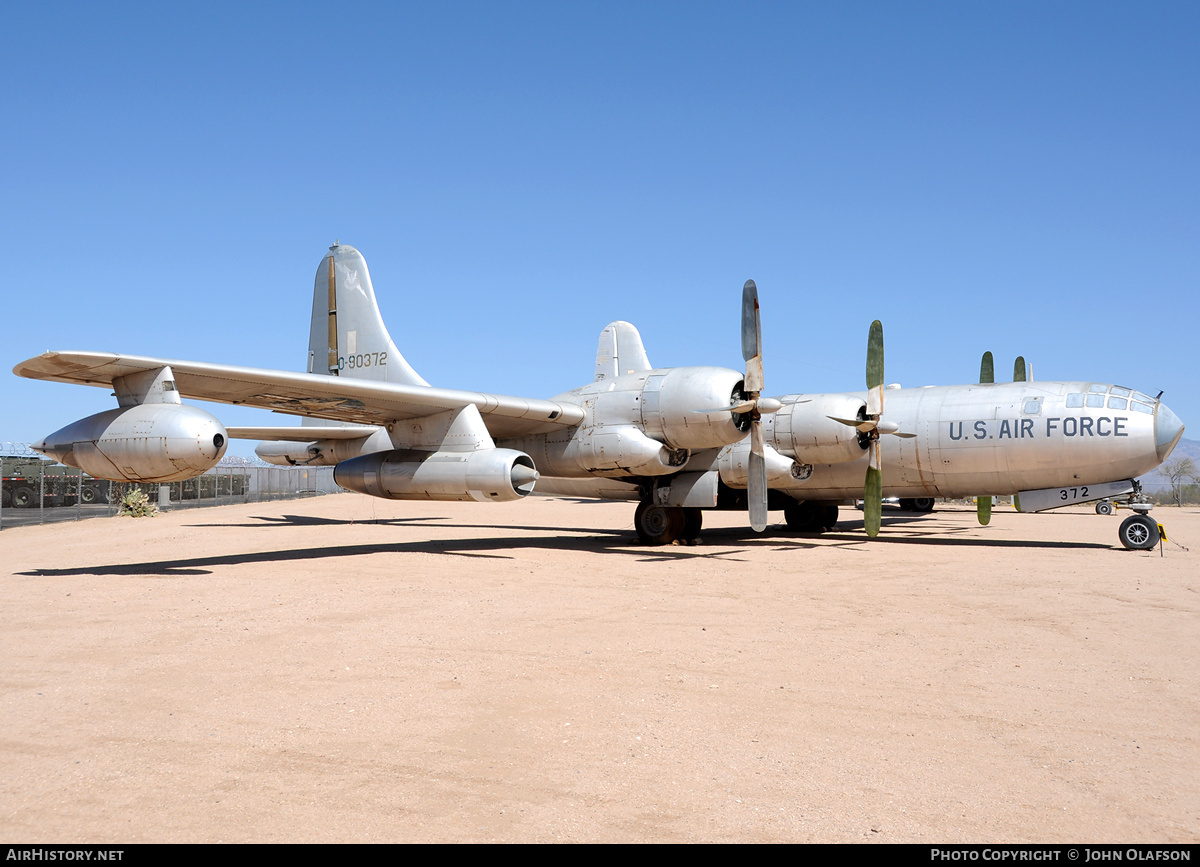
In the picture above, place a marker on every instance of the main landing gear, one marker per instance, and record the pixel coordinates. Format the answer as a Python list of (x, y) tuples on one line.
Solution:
[(662, 525), (810, 516)]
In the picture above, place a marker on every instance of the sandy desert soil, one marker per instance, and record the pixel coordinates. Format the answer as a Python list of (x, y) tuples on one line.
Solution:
[(349, 669)]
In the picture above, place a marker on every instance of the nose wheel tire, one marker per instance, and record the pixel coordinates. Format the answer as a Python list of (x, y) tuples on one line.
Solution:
[(1103, 508), (1138, 533)]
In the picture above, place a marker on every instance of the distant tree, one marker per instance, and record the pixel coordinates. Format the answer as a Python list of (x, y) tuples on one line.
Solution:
[(1179, 473)]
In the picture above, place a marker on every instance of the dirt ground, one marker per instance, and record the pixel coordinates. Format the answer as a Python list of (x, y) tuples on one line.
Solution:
[(350, 669)]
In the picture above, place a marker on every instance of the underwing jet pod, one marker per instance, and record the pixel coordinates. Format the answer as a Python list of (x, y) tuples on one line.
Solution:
[(675, 440)]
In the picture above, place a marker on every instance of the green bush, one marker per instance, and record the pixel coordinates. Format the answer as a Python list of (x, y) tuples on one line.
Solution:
[(136, 504)]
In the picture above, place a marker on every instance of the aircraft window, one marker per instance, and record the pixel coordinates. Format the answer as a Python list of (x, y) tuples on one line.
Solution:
[(1117, 403), (1034, 405), (1141, 407), (1074, 400), (1095, 400), (1137, 395), (1098, 388), (1120, 392)]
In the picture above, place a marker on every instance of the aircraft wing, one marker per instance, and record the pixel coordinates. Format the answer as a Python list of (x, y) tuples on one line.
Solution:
[(306, 394)]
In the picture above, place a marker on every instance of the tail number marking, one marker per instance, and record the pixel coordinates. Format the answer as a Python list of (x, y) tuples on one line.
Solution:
[(365, 359)]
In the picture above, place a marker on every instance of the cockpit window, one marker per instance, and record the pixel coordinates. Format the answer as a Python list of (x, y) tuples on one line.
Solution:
[(1034, 405), (1098, 387), (1095, 400), (1117, 403), (1120, 392), (1074, 400), (1141, 407)]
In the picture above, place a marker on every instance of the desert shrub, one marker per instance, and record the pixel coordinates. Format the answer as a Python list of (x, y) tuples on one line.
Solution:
[(136, 504)]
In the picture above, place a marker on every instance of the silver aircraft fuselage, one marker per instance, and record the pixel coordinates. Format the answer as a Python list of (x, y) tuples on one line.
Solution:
[(1007, 437), (985, 439)]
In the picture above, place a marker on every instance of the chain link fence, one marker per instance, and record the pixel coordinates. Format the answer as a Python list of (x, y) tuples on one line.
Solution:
[(34, 490)]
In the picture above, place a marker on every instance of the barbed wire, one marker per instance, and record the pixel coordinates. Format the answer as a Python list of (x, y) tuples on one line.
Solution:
[(17, 450)]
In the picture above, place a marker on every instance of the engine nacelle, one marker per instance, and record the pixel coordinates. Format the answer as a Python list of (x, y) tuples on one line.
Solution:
[(487, 475), (322, 452), (734, 466), (670, 400), (289, 454), (806, 431), (152, 442), (620, 451)]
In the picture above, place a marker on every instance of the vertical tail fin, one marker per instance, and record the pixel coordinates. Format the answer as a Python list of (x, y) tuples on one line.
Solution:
[(620, 351), (348, 337)]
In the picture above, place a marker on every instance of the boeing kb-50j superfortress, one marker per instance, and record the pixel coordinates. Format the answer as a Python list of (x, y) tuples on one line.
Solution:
[(677, 440)]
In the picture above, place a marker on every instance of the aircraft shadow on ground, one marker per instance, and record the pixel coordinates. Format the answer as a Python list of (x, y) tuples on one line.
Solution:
[(725, 543)]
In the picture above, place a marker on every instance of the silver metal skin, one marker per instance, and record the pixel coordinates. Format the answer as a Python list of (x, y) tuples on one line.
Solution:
[(494, 475), (673, 438), (996, 439), (145, 443)]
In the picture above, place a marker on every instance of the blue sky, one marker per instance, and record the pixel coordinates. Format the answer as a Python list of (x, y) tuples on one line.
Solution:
[(1019, 177)]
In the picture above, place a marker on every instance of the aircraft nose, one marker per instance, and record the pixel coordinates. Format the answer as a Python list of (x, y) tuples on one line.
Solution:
[(1167, 430)]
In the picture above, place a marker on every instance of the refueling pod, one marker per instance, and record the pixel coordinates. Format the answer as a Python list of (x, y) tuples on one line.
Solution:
[(152, 442)]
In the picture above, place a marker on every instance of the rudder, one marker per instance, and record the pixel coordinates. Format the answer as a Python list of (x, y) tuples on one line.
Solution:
[(347, 336)]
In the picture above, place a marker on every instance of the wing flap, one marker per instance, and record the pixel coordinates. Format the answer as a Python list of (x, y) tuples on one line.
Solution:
[(335, 398), (298, 434)]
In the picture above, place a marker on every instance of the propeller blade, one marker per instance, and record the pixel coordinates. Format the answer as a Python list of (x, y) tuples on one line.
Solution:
[(864, 425), (752, 339), (1019, 369), (983, 508), (740, 408), (873, 497), (987, 370), (875, 369), (756, 491), (752, 386)]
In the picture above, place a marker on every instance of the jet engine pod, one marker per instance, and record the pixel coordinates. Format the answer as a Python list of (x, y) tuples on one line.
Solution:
[(683, 407), (151, 442), (806, 430), (487, 475)]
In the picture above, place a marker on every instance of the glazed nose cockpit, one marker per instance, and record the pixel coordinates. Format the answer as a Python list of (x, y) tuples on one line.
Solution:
[(1168, 428)]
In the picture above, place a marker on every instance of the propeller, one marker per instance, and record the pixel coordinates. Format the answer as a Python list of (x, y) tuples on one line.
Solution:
[(753, 406), (871, 425), (756, 483), (987, 374), (873, 485)]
